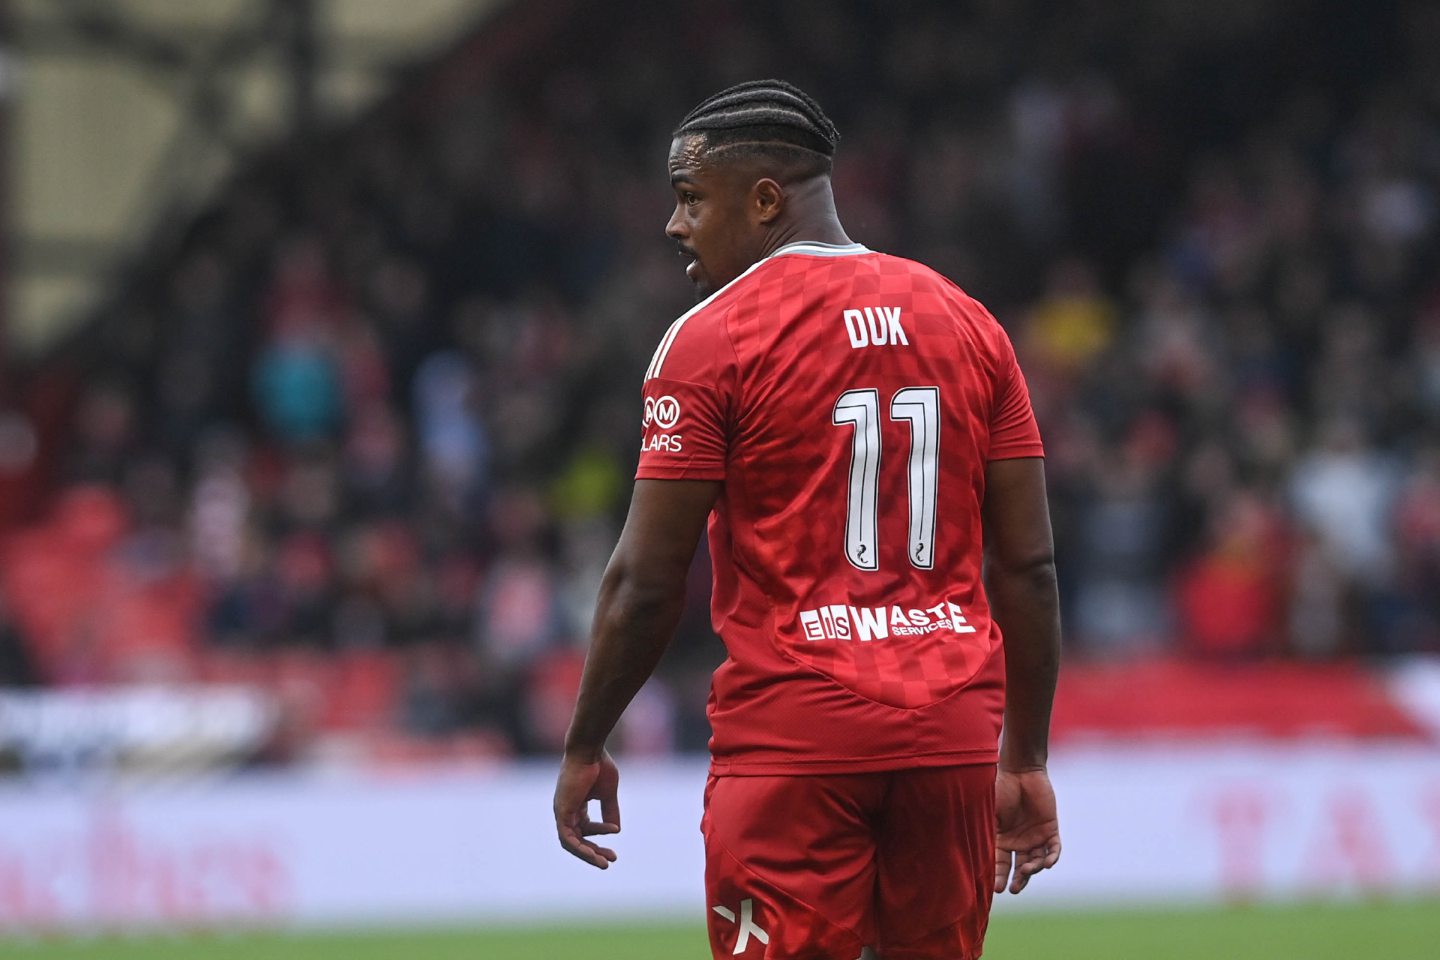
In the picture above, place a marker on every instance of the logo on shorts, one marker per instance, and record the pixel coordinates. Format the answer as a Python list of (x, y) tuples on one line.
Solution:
[(664, 412), (748, 927)]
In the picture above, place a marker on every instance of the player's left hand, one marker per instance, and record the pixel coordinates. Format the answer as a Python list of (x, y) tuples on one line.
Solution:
[(580, 782), (1027, 831)]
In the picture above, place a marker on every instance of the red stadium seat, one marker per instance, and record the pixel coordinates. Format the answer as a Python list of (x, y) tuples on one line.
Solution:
[(1172, 699)]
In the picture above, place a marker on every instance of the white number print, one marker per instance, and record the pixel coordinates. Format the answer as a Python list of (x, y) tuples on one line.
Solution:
[(920, 408), (862, 409)]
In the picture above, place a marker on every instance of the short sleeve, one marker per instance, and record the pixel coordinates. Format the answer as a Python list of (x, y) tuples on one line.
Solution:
[(687, 402), (683, 432), (1013, 431)]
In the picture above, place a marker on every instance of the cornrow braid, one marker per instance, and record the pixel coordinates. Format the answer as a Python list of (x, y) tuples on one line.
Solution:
[(761, 111)]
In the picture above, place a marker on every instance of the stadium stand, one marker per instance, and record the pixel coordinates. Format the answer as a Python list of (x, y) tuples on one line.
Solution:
[(364, 439)]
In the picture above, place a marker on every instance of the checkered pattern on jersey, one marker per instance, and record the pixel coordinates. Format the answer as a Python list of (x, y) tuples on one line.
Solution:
[(779, 348)]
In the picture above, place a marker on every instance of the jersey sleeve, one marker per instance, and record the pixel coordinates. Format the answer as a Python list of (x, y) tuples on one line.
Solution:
[(1013, 431), (688, 401)]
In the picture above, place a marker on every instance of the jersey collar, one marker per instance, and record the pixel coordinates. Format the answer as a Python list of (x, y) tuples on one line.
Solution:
[(814, 248)]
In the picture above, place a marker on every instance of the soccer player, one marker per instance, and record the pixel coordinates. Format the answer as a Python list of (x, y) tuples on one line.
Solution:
[(858, 434)]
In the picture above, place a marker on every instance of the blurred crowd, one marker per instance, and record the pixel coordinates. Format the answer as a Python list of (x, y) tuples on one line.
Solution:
[(384, 398)]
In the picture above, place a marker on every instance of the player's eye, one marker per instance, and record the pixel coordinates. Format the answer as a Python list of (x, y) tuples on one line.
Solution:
[(689, 199)]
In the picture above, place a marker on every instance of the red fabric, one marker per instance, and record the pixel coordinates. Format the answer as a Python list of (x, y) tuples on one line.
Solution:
[(823, 866), (834, 665)]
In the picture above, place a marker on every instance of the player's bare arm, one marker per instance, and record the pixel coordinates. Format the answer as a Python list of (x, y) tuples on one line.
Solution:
[(1021, 586), (641, 598)]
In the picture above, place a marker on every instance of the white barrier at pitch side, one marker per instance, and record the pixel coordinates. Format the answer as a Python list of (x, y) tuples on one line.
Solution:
[(1140, 825)]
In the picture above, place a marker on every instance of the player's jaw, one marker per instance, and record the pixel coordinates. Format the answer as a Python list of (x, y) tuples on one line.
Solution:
[(695, 271), (714, 261)]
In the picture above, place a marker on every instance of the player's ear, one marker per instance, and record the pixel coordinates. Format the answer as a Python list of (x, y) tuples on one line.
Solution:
[(767, 200)]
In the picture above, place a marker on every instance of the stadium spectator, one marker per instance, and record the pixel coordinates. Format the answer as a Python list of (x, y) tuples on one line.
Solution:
[(1220, 268)]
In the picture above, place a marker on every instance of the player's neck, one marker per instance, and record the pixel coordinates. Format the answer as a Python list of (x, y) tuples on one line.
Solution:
[(809, 217), (830, 232), (833, 235)]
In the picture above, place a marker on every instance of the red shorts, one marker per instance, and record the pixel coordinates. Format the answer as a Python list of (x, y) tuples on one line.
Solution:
[(818, 867)]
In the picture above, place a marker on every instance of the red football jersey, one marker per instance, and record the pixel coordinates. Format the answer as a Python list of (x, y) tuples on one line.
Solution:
[(849, 400)]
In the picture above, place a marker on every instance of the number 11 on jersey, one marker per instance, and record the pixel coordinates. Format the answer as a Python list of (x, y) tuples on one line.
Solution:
[(920, 408)]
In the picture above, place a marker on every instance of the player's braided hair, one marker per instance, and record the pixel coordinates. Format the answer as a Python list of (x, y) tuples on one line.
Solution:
[(765, 116)]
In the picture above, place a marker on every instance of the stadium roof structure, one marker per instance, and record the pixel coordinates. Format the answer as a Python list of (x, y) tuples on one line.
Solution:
[(123, 116)]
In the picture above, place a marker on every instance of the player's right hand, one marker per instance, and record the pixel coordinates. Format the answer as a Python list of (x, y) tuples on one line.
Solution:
[(1027, 829), (581, 781)]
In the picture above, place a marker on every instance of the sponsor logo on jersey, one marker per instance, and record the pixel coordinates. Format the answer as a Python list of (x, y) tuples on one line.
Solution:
[(664, 412), (840, 621)]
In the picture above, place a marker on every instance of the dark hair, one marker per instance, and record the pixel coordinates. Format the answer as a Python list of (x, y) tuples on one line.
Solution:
[(768, 118)]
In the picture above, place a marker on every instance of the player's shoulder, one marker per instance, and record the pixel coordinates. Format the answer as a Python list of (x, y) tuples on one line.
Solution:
[(927, 277), (694, 336), (955, 301)]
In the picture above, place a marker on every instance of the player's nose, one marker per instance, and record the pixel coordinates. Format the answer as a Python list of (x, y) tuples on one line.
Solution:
[(675, 229)]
